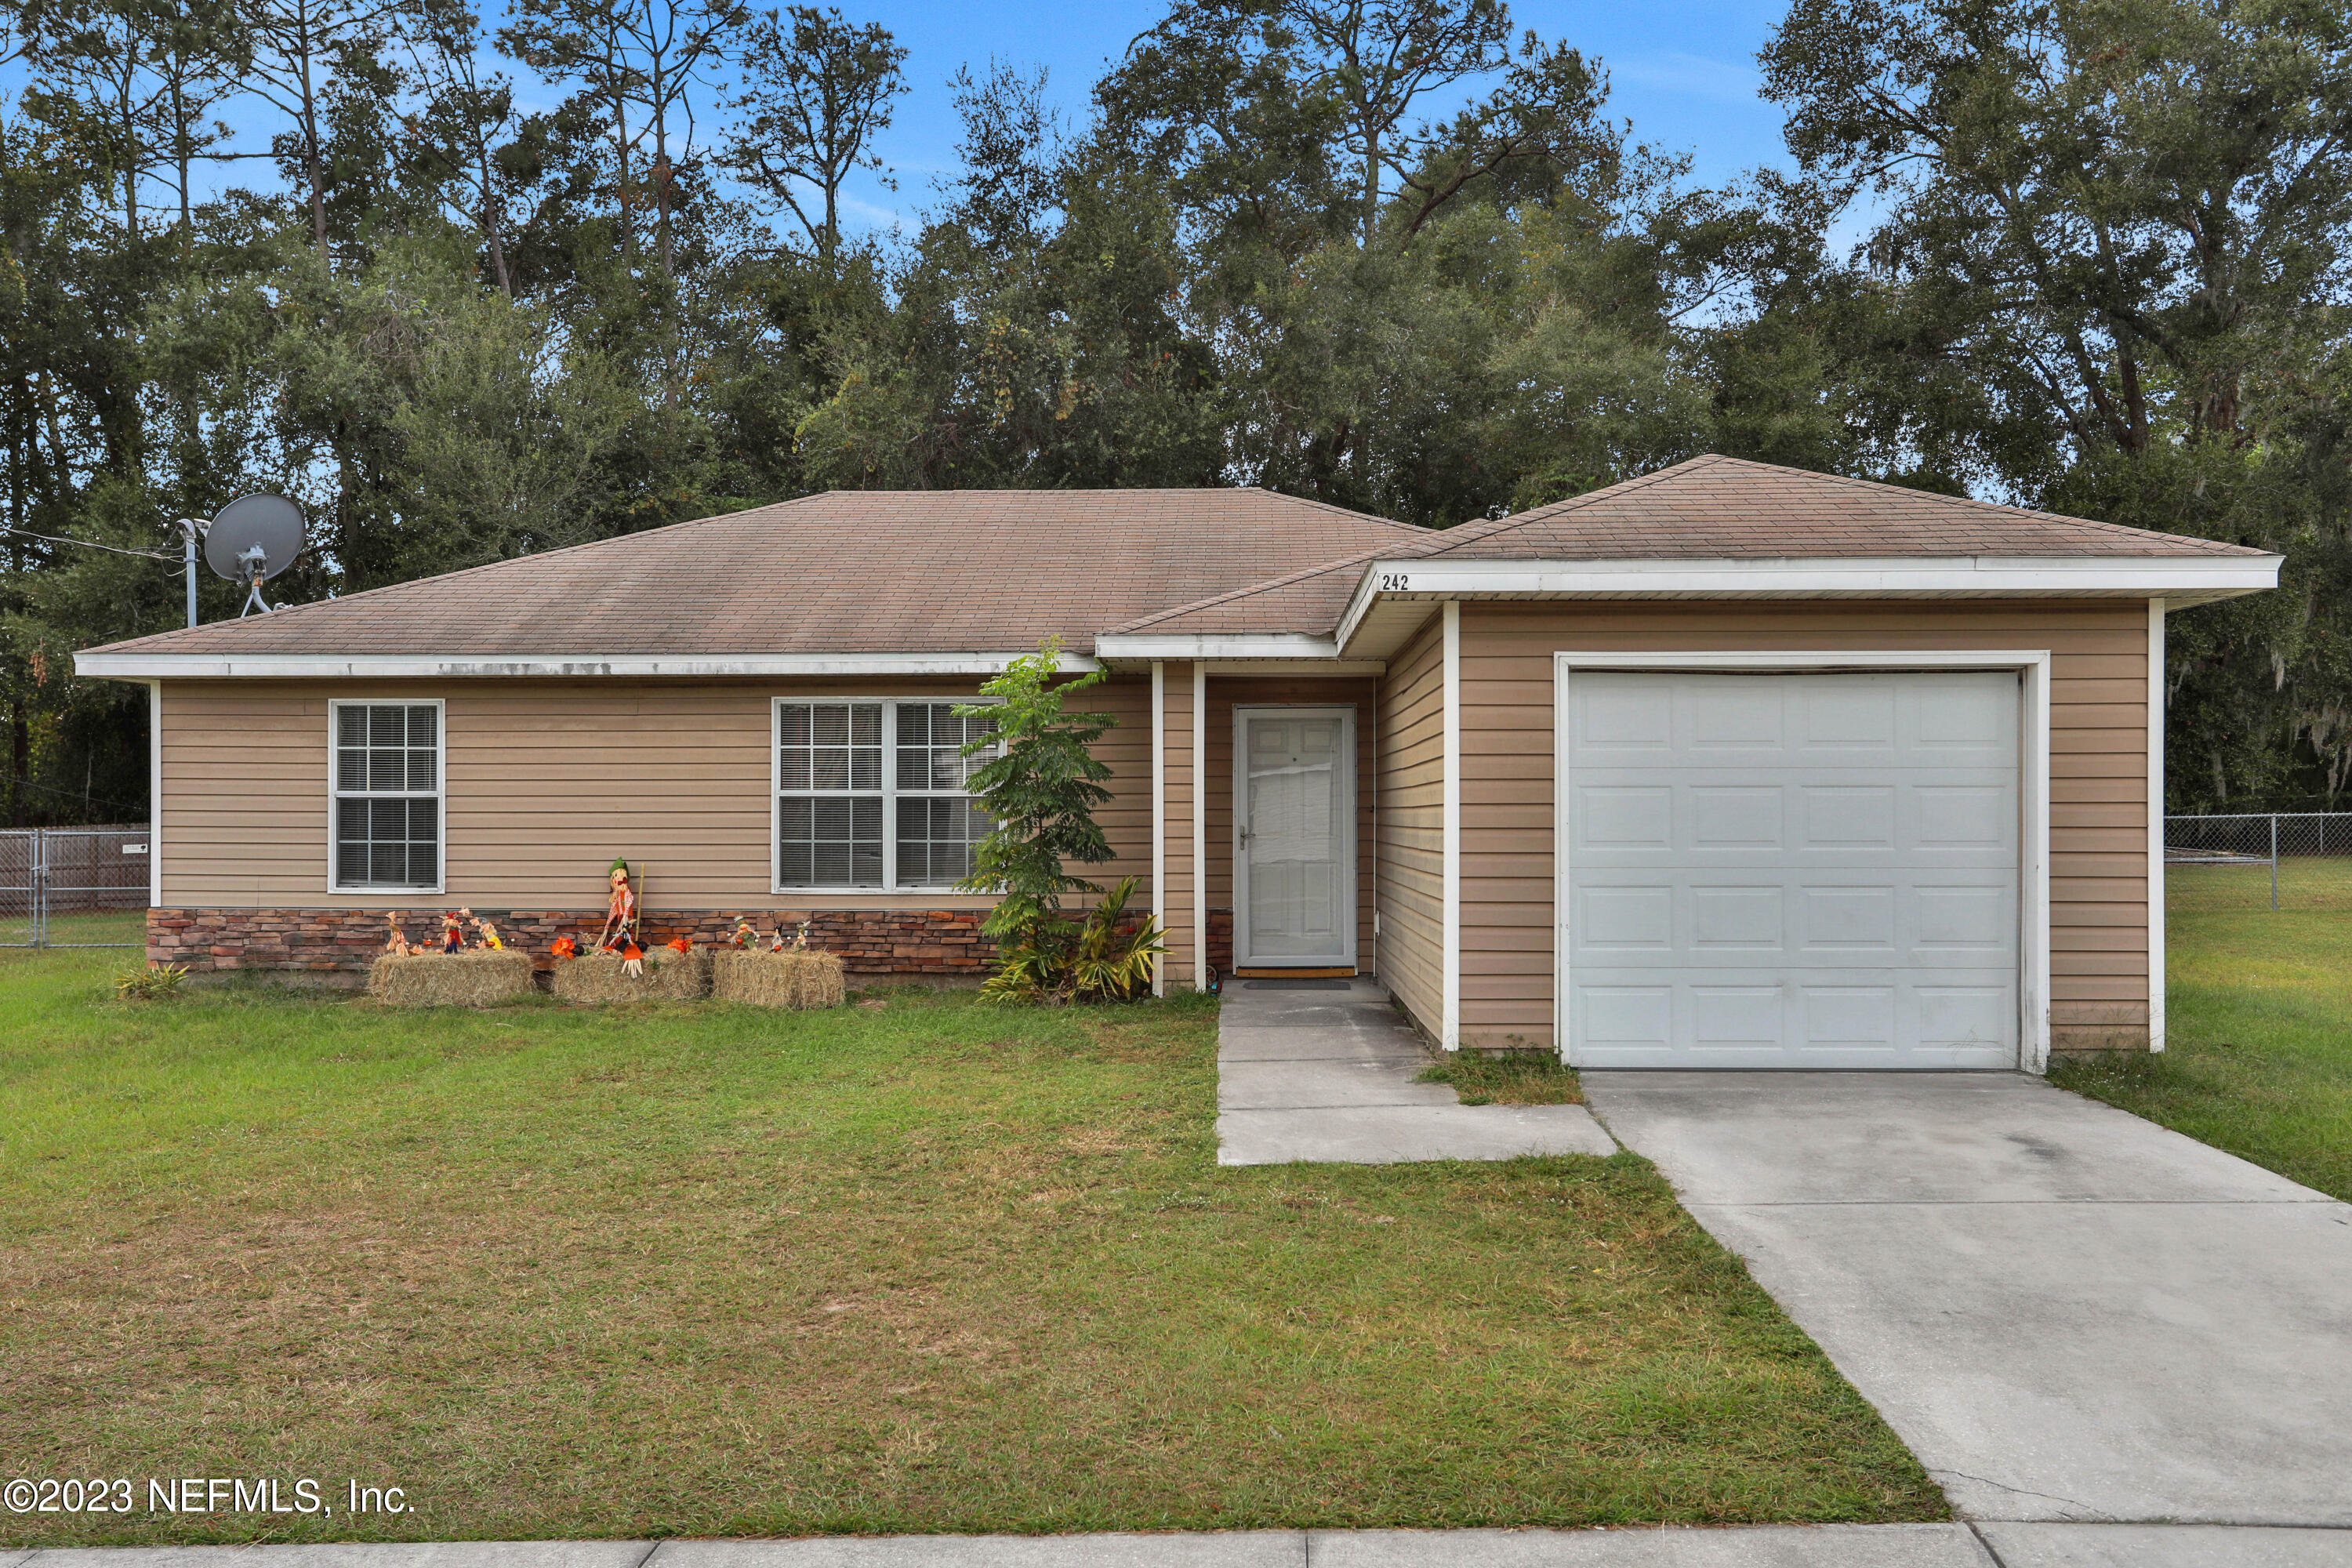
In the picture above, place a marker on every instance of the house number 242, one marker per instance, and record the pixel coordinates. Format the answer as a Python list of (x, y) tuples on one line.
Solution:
[(1395, 583)]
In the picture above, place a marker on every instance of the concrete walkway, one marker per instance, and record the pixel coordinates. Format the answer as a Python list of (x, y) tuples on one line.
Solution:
[(2067, 1312), (1324, 1070), (1783, 1546)]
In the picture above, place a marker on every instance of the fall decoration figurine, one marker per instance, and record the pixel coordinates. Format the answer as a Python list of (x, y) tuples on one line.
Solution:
[(395, 942), (490, 935), (453, 934), (621, 913), (747, 935)]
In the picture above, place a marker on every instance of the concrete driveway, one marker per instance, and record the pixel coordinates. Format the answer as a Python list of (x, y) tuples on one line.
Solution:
[(2067, 1312)]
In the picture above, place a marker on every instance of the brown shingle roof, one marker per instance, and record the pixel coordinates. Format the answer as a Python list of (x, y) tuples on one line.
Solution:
[(998, 571), (848, 571), (1709, 508)]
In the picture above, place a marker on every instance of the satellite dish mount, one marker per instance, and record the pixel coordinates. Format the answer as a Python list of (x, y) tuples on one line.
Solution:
[(252, 540)]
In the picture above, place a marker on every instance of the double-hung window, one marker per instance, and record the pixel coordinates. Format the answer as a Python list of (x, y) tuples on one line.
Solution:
[(388, 796), (870, 795)]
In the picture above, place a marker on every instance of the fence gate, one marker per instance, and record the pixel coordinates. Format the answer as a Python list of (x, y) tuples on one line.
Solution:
[(74, 887)]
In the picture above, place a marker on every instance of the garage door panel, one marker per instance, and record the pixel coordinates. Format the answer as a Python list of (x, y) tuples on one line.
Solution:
[(1793, 870), (1664, 918), (1832, 1020)]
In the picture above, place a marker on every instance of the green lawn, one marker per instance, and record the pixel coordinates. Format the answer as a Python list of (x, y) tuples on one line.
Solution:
[(913, 1266), (2259, 1053)]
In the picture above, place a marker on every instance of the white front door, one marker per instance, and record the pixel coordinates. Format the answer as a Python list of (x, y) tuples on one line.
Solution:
[(1294, 836), (1792, 871)]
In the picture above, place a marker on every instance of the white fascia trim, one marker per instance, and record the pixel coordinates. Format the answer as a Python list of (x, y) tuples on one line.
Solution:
[(1216, 645), (154, 794), (1450, 809), (1198, 771), (2155, 690), (1160, 822), (1915, 576), (402, 667), (2033, 666)]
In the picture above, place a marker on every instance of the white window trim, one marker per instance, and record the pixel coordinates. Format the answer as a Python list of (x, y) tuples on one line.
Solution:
[(440, 791), (888, 792), (2033, 666)]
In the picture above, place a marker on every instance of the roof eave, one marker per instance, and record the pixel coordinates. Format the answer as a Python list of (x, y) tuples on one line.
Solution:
[(129, 663), (2177, 580)]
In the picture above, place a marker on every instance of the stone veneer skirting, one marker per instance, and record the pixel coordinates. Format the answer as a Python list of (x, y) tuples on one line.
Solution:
[(870, 941)]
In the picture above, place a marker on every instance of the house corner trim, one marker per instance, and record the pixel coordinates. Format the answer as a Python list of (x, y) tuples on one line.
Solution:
[(1449, 899), (1160, 821), (2155, 979)]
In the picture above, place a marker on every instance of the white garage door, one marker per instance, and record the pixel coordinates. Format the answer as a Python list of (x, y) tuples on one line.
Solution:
[(1792, 871)]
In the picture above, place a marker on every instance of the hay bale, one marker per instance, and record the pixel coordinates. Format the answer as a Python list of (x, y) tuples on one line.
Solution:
[(474, 978), (796, 977), (669, 976)]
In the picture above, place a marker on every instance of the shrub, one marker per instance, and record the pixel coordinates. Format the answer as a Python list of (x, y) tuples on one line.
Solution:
[(1100, 958), (156, 982)]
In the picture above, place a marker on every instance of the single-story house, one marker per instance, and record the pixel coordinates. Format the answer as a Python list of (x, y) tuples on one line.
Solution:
[(1730, 766)]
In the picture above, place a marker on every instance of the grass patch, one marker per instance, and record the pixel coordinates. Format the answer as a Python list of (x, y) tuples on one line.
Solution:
[(1507, 1078), (700, 1270), (2258, 1056)]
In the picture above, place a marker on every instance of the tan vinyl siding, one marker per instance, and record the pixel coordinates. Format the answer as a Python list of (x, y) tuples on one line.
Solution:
[(2099, 885), (547, 781), (1412, 850)]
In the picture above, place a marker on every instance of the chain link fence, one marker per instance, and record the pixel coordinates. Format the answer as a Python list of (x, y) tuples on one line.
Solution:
[(2274, 860), (74, 887)]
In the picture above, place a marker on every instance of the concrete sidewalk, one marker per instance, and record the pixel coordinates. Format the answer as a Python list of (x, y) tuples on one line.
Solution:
[(2066, 1312), (1324, 1070), (1778, 1546)]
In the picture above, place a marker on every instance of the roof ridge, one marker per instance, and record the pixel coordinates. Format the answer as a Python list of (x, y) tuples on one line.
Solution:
[(1436, 537), (1246, 591), (1490, 527), (1333, 506)]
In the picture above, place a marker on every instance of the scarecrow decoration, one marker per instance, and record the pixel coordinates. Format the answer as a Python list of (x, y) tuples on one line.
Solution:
[(453, 932), (747, 935), (620, 933), (395, 942), (487, 932)]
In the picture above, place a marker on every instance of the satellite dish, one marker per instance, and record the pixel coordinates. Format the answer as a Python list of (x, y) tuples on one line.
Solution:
[(252, 540)]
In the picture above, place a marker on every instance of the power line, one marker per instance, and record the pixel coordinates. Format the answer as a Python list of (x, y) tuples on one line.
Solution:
[(91, 544), (23, 782)]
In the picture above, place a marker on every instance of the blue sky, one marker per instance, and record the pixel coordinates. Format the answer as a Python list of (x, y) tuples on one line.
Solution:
[(1683, 71)]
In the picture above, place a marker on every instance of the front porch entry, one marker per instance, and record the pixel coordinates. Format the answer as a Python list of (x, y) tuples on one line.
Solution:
[(1294, 837)]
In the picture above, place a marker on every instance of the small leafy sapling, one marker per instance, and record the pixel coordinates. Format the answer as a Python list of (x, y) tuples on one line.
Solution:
[(1042, 788)]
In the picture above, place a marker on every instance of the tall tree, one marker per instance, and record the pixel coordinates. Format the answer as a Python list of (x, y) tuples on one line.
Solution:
[(815, 92), (2126, 224), (298, 50), (641, 62)]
